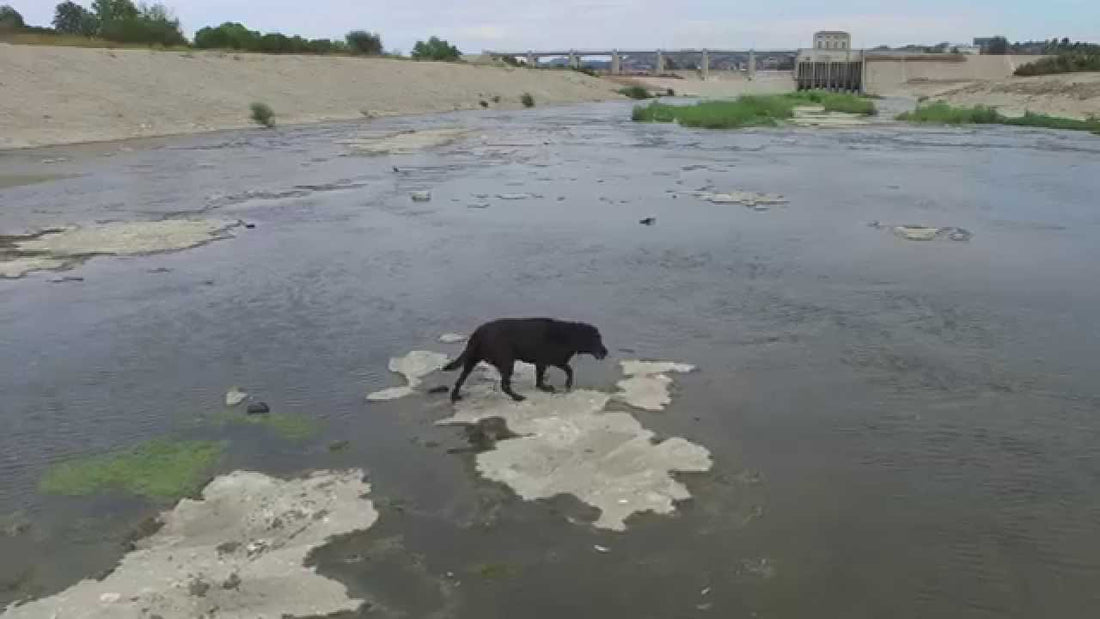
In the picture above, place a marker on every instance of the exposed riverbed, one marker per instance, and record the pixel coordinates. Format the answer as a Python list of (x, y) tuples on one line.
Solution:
[(894, 427)]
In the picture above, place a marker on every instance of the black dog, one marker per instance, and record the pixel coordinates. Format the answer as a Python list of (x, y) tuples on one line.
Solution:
[(541, 341)]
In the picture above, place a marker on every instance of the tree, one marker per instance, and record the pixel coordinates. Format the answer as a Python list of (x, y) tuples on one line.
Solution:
[(153, 25), (71, 18), (363, 42), (998, 46), (114, 10), (10, 19), (435, 49)]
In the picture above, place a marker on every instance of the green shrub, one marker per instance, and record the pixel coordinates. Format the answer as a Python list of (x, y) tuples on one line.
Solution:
[(363, 42), (527, 100), (1066, 62), (262, 114), (635, 92), (435, 49), (587, 71)]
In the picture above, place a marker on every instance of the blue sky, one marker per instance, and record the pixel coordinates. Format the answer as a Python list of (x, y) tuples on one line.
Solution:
[(499, 24)]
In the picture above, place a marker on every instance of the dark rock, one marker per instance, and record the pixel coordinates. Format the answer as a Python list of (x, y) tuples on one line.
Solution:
[(258, 408), (233, 582), (439, 389), (338, 445), (648, 221)]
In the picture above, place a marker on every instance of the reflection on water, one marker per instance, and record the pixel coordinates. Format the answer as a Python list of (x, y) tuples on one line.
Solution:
[(899, 428)]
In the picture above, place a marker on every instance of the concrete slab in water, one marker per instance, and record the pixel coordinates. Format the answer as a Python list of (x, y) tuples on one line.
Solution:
[(570, 445), (237, 552), (405, 142), (413, 366), (646, 385), (66, 247)]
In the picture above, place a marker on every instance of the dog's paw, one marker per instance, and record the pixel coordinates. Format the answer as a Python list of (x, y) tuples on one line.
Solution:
[(518, 398)]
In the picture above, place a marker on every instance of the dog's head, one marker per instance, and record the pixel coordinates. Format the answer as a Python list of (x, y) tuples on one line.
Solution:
[(587, 339)]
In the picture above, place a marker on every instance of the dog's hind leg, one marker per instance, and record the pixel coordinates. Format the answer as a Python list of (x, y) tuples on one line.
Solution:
[(505, 370), (568, 375), (540, 378), (467, 367)]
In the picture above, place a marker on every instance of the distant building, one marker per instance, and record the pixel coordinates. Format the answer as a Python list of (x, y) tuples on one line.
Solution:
[(832, 39), (970, 50)]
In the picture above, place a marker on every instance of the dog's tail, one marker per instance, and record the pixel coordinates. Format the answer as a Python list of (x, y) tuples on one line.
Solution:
[(458, 362)]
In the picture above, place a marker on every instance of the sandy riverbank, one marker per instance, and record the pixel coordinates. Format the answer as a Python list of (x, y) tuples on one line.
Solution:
[(63, 95), (1072, 95)]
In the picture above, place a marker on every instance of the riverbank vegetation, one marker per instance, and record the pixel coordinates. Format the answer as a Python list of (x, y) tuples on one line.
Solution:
[(751, 110), (944, 114)]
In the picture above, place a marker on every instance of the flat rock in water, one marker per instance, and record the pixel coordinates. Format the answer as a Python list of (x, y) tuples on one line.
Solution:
[(746, 198), (916, 233), (235, 396), (646, 385), (569, 444), (414, 367), (421, 196), (258, 408), (452, 338)]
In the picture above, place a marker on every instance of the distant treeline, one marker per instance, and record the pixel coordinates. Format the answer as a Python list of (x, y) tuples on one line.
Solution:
[(122, 21)]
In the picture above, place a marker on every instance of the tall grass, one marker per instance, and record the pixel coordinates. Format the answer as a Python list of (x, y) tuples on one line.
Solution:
[(749, 110), (944, 114), (836, 101)]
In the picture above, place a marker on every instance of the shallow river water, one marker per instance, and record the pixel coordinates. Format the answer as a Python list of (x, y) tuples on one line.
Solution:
[(898, 428)]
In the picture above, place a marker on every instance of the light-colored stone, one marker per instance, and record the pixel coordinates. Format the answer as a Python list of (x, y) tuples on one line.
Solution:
[(413, 366), (249, 529), (421, 196), (746, 198), (647, 386), (235, 396), (916, 233), (452, 338)]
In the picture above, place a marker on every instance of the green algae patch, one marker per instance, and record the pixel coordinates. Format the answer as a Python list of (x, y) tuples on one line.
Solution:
[(158, 469), (289, 426)]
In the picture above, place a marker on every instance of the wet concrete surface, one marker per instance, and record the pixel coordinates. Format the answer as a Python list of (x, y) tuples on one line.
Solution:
[(897, 428)]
